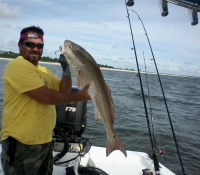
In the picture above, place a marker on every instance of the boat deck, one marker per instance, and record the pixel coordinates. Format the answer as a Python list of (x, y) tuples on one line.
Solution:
[(115, 164)]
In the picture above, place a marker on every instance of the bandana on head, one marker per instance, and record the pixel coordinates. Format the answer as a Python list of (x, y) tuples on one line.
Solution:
[(30, 35)]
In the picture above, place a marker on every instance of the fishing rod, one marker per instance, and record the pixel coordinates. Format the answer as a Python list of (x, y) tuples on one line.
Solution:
[(155, 160), (158, 151), (173, 133), (150, 107), (60, 49)]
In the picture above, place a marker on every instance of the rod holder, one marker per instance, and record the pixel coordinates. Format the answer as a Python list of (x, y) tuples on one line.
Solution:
[(130, 3)]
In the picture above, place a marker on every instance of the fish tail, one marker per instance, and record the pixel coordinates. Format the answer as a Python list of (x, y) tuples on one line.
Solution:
[(114, 143)]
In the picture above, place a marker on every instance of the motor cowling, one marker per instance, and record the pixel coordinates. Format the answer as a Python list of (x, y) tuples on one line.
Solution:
[(72, 118)]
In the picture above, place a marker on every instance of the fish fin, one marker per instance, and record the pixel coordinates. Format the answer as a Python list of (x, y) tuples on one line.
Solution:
[(112, 105), (81, 75), (112, 117), (78, 79), (97, 116), (114, 143), (78, 86)]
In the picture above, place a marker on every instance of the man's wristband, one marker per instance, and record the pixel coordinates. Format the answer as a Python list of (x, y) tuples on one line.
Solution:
[(65, 74)]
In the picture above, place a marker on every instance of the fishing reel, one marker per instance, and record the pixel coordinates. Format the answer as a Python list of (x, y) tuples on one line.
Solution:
[(146, 172), (160, 152)]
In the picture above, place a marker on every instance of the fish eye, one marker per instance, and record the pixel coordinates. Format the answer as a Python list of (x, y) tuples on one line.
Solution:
[(70, 46)]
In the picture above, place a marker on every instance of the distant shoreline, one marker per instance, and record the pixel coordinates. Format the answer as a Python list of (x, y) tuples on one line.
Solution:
[(103, 68), (5, 58), (115, 69)]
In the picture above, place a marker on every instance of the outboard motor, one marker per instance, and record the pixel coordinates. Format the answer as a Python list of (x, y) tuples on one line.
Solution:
[(70, 148), (69, 145), (72, 117)]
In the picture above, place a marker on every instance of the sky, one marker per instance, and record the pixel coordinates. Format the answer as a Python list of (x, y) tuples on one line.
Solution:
[(102, 28)]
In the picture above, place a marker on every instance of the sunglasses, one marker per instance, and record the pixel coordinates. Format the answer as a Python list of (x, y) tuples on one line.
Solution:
[(33, 45)]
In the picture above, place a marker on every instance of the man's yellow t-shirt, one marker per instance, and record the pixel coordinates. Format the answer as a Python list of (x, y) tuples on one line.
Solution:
[(24, 118)]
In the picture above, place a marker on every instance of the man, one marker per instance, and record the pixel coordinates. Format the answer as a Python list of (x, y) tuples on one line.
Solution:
[(30, 95)]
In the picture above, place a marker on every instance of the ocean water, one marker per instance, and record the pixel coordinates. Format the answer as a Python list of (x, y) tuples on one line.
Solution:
[(183, 100)]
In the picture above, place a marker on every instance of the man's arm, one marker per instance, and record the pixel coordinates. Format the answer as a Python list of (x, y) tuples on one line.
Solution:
[(65, 85), (53, 97)]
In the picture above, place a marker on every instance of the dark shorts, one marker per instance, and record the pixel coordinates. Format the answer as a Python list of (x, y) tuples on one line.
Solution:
[(28, 160)]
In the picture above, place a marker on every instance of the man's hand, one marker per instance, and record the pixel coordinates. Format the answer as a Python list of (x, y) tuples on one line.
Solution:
[(84, 93), (65, 65)]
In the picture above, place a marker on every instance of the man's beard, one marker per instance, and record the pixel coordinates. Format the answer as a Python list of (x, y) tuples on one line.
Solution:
[(34, 58)]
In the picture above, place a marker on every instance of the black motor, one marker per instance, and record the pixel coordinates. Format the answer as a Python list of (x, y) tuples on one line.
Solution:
[(72, 117), (70, 125)]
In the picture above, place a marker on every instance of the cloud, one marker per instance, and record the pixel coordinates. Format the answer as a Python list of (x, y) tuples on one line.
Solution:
[(102, 28), (9, 12), (114, 47), (106, 57), (120, 58), (188, 63)]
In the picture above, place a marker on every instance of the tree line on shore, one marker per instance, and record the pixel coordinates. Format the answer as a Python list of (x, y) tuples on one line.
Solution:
[(10, 54)]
